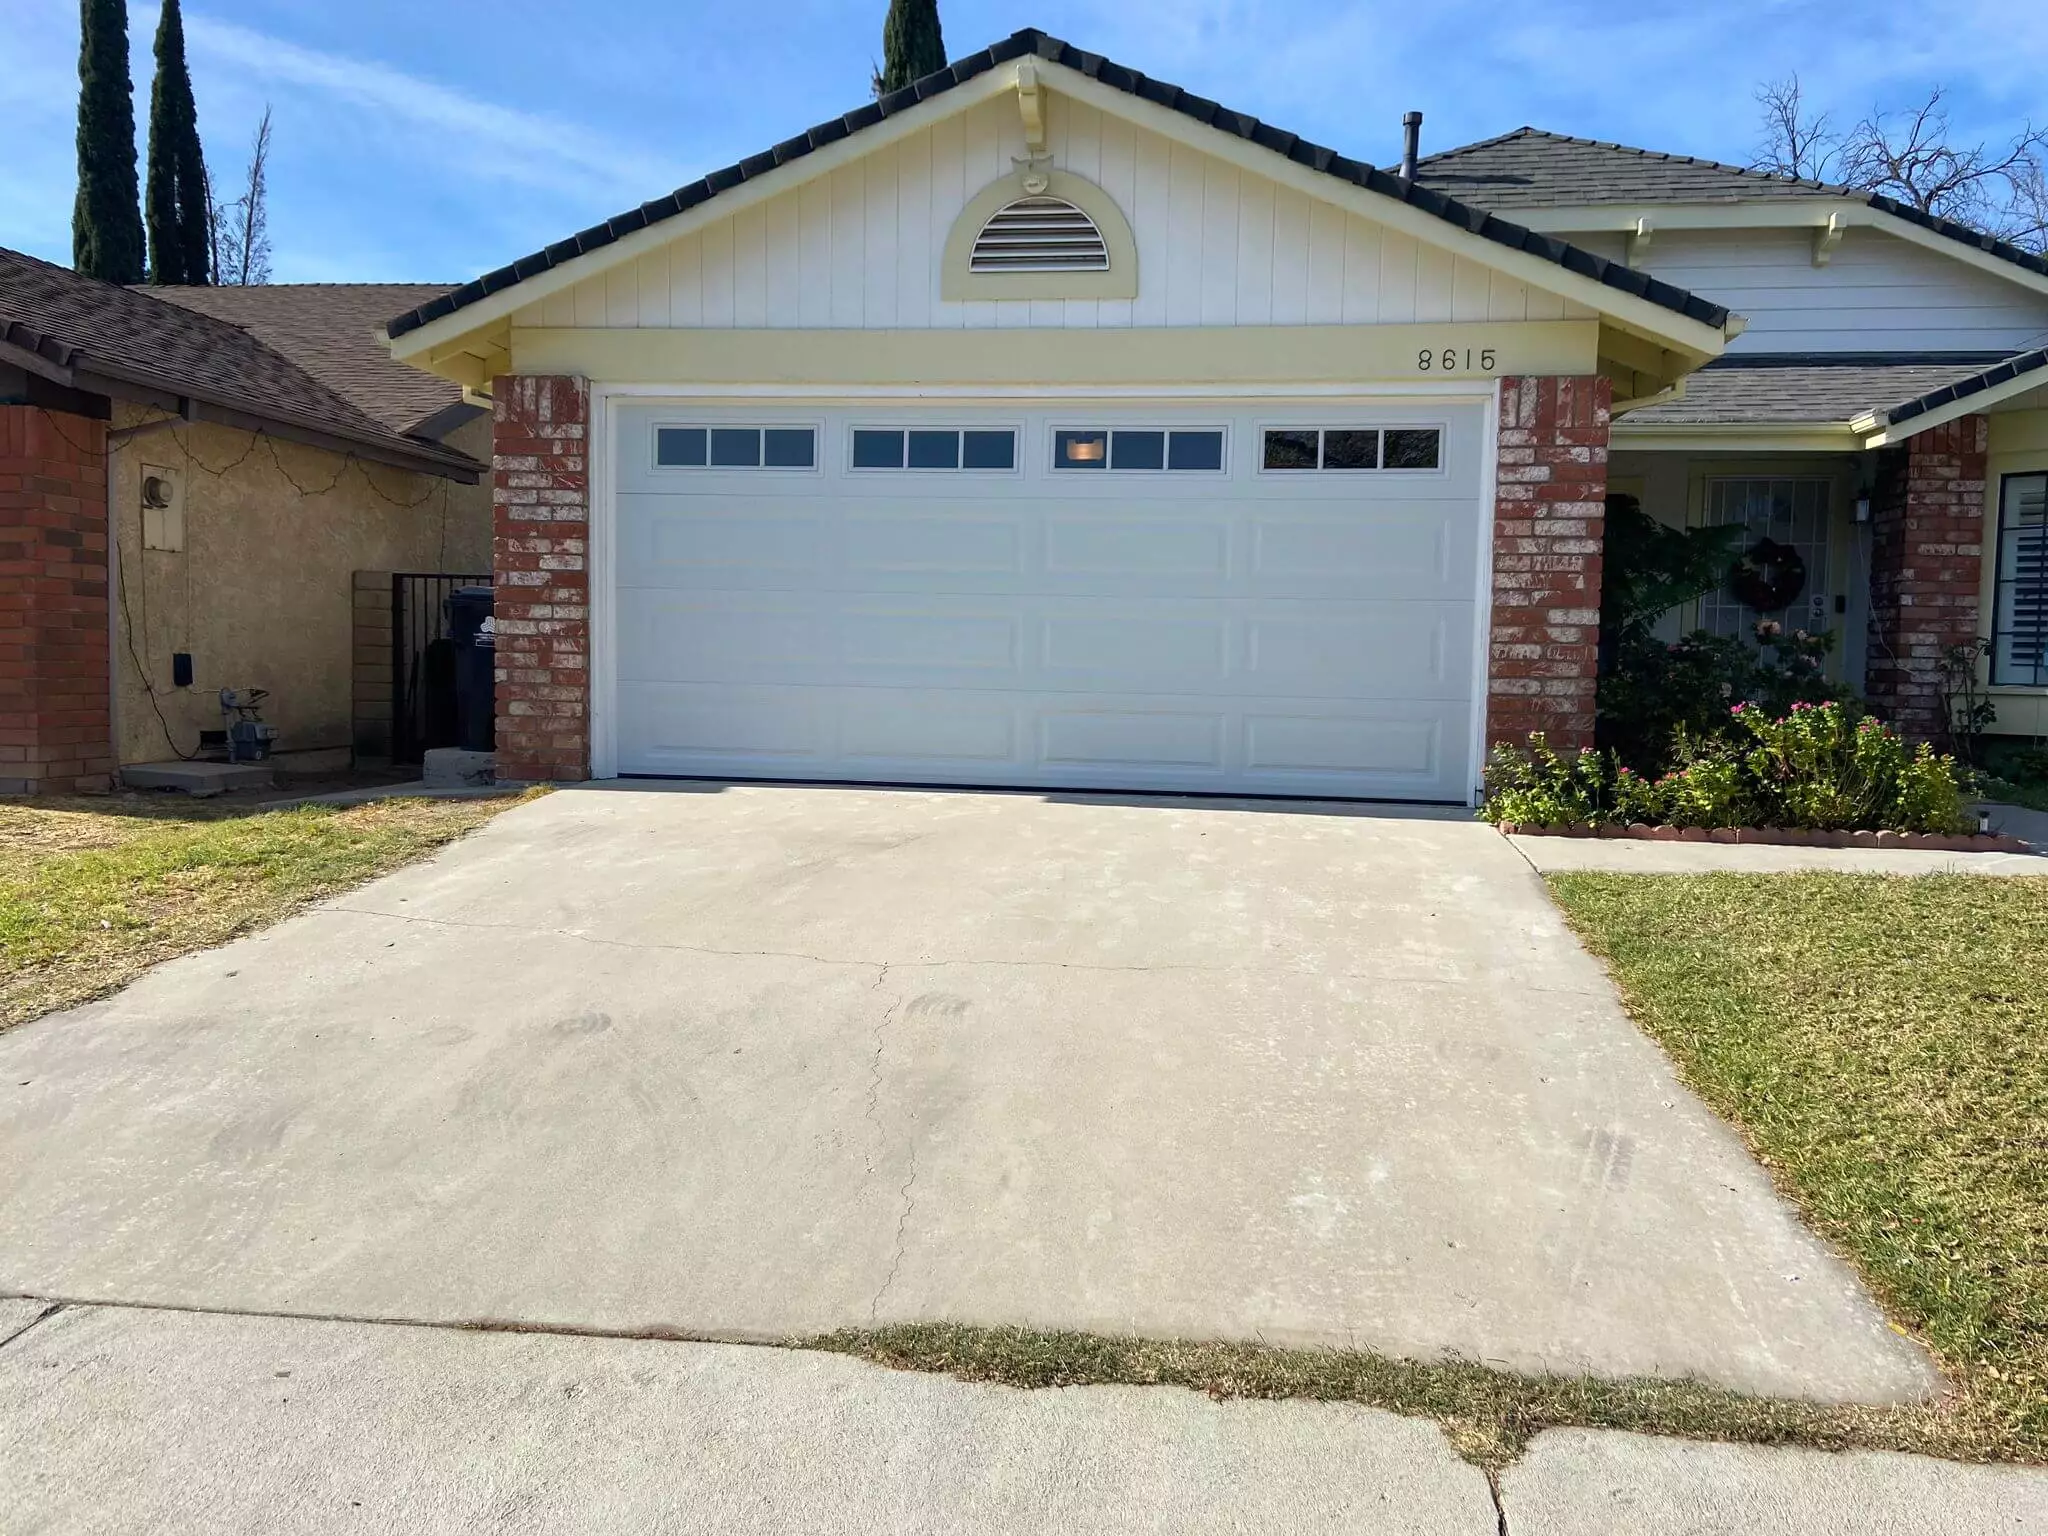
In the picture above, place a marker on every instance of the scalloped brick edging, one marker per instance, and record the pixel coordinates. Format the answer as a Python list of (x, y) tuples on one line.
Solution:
[(1784, 837)]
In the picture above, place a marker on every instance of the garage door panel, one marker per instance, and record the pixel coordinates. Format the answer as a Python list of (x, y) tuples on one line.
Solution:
[(1304, 634), (1145, 549), (1163, 651), (1394, 552), (1395, 651), (1151, 738), (1307, 744)]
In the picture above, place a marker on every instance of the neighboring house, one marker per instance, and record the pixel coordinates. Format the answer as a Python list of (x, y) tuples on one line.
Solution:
[(1042, 424), (1885, 413), (252, 449)]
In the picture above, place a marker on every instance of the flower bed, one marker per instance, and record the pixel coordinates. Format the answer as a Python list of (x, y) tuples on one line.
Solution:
[(1818, 770), (1793, 837)]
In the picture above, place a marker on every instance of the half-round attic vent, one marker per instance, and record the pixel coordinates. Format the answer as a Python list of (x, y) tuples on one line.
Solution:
[(1039, 234)]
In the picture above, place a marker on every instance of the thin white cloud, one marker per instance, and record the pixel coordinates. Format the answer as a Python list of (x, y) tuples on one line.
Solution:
[(502, 143)]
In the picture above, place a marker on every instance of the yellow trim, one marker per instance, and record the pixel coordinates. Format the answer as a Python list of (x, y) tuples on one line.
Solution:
[(958, 281), (1165, 355), (1877, 432), (1740, 437)]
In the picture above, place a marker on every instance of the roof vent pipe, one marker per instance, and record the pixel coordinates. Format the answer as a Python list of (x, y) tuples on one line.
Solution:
[(1411, 143)]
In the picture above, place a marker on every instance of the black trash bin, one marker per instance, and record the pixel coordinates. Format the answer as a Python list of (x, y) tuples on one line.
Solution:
[(476, 660)]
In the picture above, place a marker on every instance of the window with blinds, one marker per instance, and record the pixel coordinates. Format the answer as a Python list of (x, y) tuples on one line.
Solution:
[(2019, 614), (1039, 234)]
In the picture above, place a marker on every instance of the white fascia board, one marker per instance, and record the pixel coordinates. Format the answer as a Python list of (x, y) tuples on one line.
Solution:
[(1639, 315), (448, 332), (1815, 212)]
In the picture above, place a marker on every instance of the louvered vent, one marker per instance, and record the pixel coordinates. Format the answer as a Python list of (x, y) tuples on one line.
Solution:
[(1039, 234)]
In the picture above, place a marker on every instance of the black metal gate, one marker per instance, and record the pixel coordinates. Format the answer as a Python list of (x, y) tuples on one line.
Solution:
[(423, 662)]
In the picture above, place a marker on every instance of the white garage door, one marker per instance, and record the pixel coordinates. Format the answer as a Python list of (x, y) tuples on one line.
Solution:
[(1271, 598)]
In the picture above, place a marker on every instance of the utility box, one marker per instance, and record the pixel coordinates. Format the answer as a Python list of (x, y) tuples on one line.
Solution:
[(163, 508)]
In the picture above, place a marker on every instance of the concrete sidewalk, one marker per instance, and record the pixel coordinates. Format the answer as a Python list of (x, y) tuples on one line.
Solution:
[(116, 1420)]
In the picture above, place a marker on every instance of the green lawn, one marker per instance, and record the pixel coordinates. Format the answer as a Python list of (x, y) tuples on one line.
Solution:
[(94, 891), (1882, 1043)]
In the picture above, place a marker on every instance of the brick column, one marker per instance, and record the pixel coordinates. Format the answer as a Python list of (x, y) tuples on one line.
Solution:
[(1550, 505), (56, 722), (540, 504), (1926, 563)]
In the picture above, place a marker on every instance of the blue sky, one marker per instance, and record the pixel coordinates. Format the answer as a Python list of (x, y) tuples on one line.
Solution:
[(434, 139)]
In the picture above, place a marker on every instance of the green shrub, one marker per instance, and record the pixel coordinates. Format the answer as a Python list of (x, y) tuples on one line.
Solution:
[(1537, 787), (1815, 766)]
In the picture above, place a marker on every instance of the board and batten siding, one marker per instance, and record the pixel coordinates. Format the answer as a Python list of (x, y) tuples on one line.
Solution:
[(860, 247), (1877, 294)]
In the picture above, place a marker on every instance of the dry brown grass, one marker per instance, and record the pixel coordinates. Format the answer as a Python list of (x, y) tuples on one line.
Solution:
[(93, 892)]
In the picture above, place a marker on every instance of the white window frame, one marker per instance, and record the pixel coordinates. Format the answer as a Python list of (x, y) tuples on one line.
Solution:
[(1318, 473), (1015, 429), (1998, 581), (815, 427), (1109, 430)]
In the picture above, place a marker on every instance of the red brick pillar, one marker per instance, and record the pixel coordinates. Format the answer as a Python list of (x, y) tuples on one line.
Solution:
[(1550, 506), (56, 722), (540, 503), (1926, 565)]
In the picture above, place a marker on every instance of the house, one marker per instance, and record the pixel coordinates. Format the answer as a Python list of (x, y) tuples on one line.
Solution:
[(250, 451), (1042, 424), (1884, 414)]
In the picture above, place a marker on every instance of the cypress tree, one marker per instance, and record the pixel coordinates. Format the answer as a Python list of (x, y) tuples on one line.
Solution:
[(106, 221), (179, 207), (912, 44)]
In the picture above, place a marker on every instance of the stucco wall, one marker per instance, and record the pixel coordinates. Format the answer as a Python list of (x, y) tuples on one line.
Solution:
[(260, 594)]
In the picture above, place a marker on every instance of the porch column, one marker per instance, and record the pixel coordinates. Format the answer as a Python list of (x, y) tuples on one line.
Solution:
[(1550, 508), (1926, 566), (540, 506), (55, 698)]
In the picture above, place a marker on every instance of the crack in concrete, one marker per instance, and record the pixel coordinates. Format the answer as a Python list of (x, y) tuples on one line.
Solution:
[(40, 1318), (902, 1226), (1165, 967), (1500, 1510)]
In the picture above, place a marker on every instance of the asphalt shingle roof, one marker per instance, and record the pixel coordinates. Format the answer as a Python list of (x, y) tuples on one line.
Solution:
[(334, 331), (1034, 43), (1829, 389), (1530, 168), (79, 323)]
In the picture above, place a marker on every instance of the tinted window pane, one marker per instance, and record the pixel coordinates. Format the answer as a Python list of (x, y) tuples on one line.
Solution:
[(988, 450), (736, 446), (790, 448), (877, 450), (1351, 450), (1291, 450), (1412, 447), (1080, 450), (1195, 450), (1137, 450), (935, 450), (679, 445)]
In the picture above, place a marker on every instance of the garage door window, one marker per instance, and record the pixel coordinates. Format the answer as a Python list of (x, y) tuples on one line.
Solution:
[(1353, 448), (1129, 448), (958, 448), (735, 447)]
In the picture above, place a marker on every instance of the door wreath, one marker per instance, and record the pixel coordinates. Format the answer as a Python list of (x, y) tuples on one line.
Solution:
[(1768, 576)]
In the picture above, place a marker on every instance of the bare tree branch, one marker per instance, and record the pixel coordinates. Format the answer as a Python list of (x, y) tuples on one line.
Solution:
[(1795, 143), (1910, 156), (240, 228)]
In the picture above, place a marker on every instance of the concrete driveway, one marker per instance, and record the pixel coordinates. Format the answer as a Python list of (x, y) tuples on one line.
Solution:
[(751, 1062)]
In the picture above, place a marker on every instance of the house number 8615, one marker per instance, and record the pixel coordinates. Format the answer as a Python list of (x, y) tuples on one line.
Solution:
[(1451, 360)]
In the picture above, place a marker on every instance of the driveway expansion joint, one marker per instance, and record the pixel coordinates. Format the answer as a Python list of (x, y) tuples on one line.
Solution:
[(33, 1323)]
